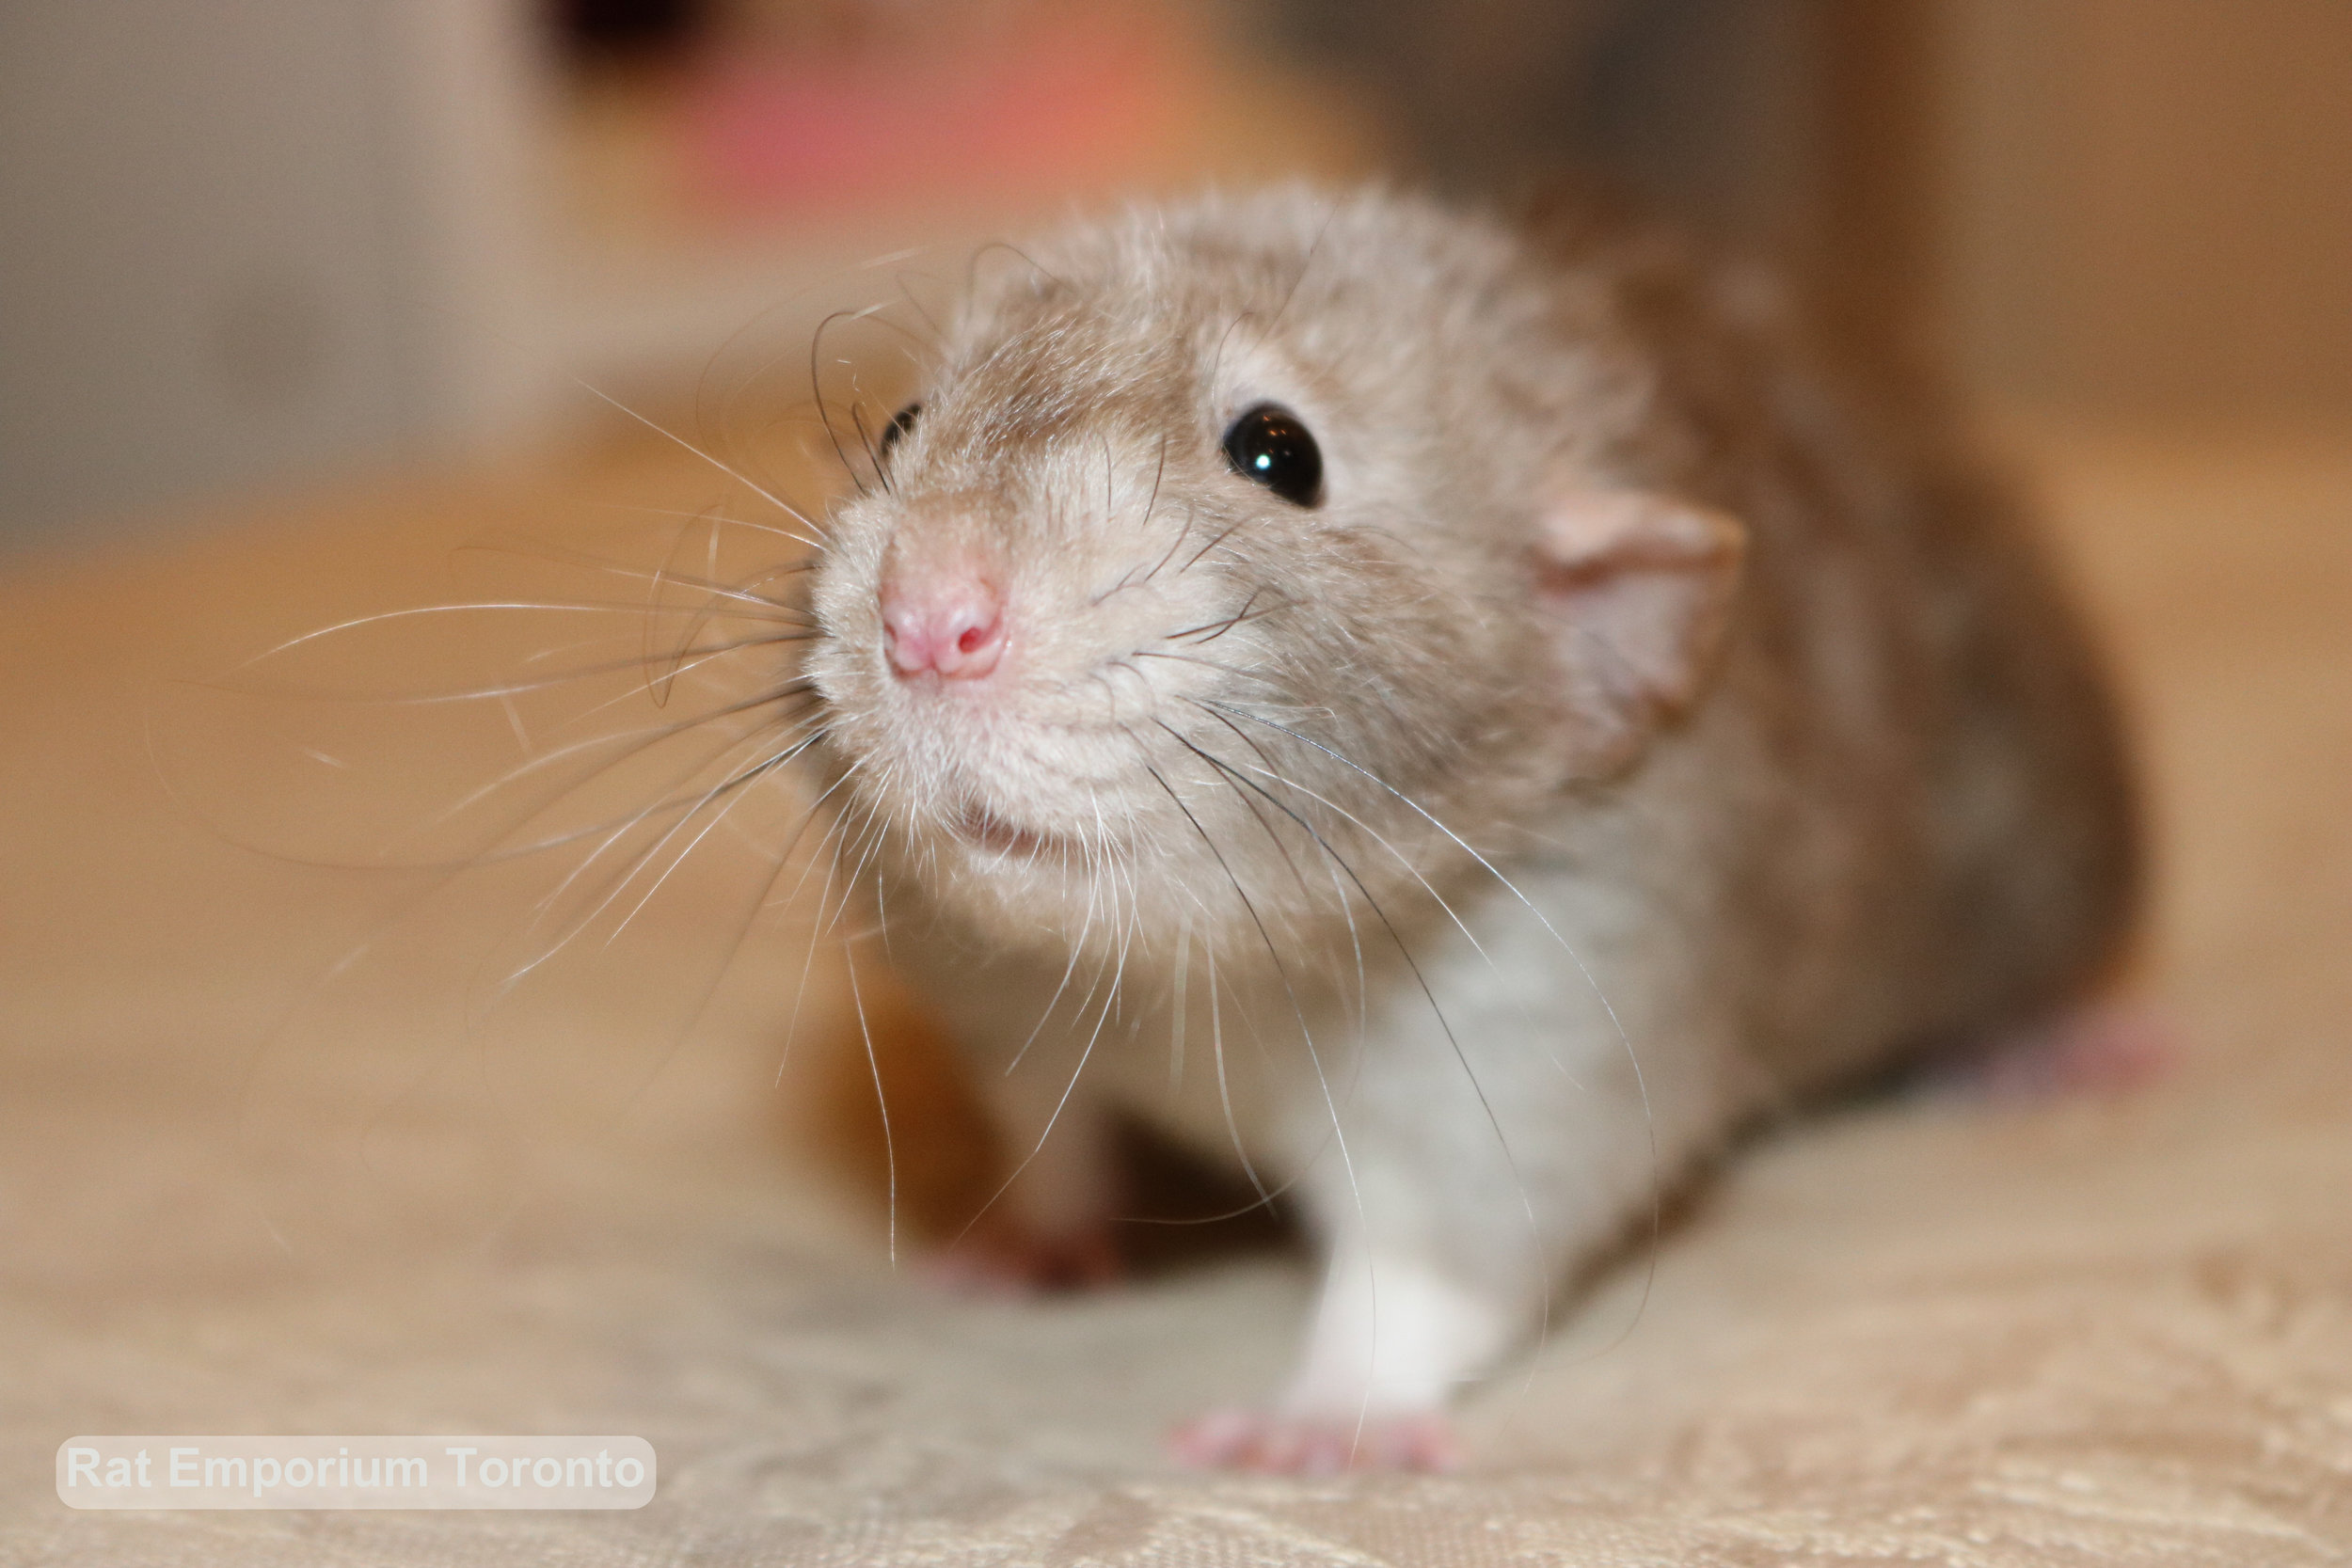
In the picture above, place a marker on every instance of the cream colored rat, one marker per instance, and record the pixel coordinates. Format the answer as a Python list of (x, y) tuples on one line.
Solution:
[(1458, 719)]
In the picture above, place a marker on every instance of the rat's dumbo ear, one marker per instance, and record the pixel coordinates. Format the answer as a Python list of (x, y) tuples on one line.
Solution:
[(1640, 584)]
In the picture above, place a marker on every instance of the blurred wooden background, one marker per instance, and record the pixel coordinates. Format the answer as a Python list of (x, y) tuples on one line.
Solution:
[(246, 247)]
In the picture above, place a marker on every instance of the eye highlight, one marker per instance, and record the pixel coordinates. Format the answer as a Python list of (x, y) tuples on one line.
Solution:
[(1270, 445)]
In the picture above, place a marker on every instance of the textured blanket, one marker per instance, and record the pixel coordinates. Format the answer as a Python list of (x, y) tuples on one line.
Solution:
[(2075, 1328)]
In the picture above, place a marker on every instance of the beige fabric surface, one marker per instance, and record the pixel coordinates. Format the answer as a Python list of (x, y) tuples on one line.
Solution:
[(2071, 1331)]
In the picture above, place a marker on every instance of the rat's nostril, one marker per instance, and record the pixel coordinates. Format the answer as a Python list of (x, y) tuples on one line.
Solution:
[(953, 627)]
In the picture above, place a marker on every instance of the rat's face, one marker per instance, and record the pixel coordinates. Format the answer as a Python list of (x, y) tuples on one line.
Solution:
[(1191, 590)]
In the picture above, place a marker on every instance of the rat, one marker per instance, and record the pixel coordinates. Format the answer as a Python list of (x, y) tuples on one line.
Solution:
[(1459, 717)]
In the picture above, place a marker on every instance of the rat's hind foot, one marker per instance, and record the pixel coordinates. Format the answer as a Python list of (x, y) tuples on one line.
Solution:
[(1274, 1444), (2106, 1048), (1004, 1258)]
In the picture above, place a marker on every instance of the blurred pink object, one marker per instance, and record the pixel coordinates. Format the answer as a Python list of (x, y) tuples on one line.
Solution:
[(1067, 96)]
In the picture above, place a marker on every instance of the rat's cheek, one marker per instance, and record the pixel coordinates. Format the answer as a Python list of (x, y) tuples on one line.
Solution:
[(841, 606)]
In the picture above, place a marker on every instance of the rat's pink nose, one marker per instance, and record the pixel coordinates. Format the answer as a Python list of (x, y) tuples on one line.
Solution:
[(954, 624)]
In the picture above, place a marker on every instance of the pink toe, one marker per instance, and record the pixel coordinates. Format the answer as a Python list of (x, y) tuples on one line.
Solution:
[(1269, 1444), (2114, 1048), (1212, 1440)]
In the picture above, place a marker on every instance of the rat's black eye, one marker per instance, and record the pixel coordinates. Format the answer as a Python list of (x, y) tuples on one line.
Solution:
[(1269, 446), (900, 423)]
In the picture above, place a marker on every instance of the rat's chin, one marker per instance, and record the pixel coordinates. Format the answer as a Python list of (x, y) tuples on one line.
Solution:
[(990, 835)]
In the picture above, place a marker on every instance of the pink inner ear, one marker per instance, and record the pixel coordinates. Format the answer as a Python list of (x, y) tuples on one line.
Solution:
[(1605, 530), (1641, 583)]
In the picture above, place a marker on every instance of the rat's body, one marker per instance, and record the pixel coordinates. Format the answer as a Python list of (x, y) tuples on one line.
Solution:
[(1591, 740)]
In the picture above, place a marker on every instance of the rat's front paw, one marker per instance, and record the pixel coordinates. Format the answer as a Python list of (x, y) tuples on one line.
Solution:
[(1274, 1444)]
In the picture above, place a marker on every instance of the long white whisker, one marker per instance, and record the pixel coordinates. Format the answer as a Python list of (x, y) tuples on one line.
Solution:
[(624, 875), (604, 566), (1632, 1058), (817, 925), (637, 743), (761, 491)]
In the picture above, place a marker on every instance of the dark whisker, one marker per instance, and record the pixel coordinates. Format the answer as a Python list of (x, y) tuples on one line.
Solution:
[(1192, 516), (873, 456), (939, 333), (1159, 470), (1225, 773), (1210, 545), (1289, 991), (816, 390), (1218, 628), (972, 267)]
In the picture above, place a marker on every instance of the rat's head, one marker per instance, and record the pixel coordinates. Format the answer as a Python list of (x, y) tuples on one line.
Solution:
[(1226, 552)]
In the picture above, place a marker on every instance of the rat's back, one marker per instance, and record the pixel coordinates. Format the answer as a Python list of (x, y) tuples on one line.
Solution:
[(1938, 838)]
